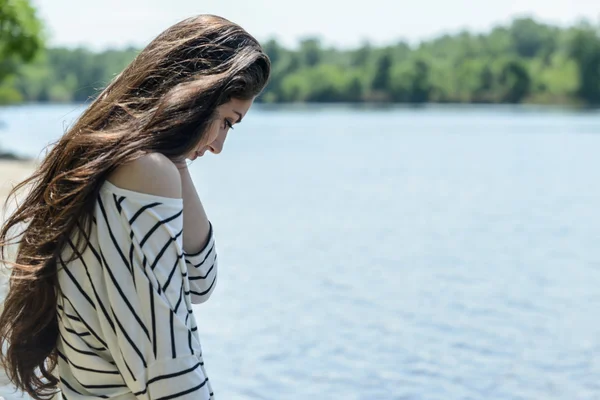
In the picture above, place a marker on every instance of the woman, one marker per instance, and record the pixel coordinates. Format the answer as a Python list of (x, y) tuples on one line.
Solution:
[(117, 246)]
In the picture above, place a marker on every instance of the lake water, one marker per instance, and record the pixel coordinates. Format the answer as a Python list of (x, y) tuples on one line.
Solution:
[(437, 253)]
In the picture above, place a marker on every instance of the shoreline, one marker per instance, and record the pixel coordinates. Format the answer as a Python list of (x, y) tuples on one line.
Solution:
[(11, 173), (367, 105)]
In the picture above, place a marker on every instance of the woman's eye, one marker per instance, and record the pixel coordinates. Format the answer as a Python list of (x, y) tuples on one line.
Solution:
[(228, 124)]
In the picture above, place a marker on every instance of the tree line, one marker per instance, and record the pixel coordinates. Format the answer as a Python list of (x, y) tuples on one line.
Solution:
[(525, 61)]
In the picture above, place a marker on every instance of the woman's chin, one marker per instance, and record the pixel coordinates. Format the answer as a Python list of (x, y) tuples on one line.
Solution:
[(196, 155)]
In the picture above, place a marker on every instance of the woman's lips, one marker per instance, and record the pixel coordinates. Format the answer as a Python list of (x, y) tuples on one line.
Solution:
[(198, 153)]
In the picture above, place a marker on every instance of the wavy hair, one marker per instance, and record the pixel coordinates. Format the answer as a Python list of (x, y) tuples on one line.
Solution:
[(163, 102)]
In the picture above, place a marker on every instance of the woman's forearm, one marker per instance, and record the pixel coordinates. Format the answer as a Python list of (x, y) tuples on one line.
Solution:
[(196, 227)]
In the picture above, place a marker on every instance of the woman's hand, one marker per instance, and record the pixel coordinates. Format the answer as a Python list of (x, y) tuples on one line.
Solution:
[(196, 228), (180, 163)]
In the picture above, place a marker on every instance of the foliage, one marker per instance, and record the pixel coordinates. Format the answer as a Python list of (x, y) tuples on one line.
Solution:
[(20, 41), (525, 61)]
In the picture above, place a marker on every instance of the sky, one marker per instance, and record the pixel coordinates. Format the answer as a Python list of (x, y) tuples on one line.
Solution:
[(100, 24)]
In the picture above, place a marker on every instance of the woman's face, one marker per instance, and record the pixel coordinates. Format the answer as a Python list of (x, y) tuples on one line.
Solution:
[(228, 114)]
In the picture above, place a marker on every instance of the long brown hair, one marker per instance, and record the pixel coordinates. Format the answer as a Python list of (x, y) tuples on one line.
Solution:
[(162, 102)]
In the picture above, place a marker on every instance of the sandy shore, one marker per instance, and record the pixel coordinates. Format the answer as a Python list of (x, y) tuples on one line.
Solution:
[(11, 173)]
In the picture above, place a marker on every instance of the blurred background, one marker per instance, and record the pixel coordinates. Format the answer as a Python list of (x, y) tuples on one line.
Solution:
[(410, 210)]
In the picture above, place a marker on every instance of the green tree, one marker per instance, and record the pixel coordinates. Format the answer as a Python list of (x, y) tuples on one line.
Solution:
[(20, 30), (530, 39), (585, 50), (311, 52), (411, 82), (420, 87), (324, 83), (360, 57), (274, 51), (381, 81), (524, 61), (354, 89), (514, 81), (20, 41)]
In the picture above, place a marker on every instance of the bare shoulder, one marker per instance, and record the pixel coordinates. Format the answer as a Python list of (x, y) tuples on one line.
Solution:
[(152, 174)]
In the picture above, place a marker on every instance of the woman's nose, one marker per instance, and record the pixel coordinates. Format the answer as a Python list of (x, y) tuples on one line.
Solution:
[(215, 147)]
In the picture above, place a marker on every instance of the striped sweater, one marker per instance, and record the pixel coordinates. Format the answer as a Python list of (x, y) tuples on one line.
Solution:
[(126, 327)]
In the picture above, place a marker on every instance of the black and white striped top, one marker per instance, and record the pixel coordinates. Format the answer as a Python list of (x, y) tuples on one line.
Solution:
[(126, 327)]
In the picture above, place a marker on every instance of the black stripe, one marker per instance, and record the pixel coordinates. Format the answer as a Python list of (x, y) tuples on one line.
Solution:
[(144, 265), (98, 371), (133, 278), (131, 309), (194, 329), (85, 386), (127, 365), (180, 298), (131, 235), (173, 375), (70, 316), (174, 353), (64, 382), (195, 278), (118, 202), (190, 342), (158, 225), (184, 392), (164, 249), (112, 237), (141, 210), (89, 244), (151, 289), (205, 257), (167, 376), (102, 386), (206, 291), (95, 348), (131, 248), (87, 353), (74, 332), (210, 235), (135, 348), (66, 269), (87, 272), (103, 348), (88, 327), (166, 285)]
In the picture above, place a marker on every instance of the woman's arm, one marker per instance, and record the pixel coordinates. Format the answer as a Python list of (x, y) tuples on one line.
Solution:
[(196, 228), (159, 355), (135, 176)]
